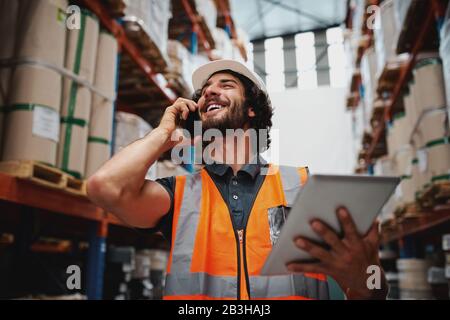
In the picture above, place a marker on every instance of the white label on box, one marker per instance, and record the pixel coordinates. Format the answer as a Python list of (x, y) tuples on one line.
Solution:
[(422, 156), (447, 271), (46, 123)]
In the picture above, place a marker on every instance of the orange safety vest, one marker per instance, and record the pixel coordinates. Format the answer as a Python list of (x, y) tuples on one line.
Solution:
[(210, 260)]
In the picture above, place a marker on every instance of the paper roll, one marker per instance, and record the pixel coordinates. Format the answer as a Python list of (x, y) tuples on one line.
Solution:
[(102, 113), (35, 95), (81, 51), (8, 29)]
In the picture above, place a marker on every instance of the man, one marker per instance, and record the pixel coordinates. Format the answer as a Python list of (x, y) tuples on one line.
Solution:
[(224, 219)]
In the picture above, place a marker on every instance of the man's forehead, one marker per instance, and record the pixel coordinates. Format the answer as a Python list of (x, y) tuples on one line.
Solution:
[(222, 75)]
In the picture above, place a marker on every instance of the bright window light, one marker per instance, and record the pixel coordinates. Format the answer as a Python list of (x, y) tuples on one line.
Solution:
[(274, 58)]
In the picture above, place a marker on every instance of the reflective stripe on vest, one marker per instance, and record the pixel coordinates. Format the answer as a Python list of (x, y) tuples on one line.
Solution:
[(187, 279)]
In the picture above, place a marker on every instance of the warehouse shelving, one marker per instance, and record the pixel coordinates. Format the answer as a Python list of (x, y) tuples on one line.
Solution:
[(433, 11), (425, 222), (130, 48)]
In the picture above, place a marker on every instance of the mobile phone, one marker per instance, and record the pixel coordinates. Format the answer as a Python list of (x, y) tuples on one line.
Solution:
[(189, 122)]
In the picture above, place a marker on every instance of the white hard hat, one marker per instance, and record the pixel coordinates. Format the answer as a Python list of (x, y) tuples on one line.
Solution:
[(204, 72)]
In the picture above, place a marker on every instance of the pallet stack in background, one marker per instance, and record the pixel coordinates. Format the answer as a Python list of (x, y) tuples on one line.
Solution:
[(49, 115)]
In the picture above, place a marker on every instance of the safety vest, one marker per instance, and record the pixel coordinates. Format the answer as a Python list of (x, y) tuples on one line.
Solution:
[(209, 259)]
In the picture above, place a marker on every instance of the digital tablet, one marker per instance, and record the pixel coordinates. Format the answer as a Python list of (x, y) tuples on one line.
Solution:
[(363, 196)]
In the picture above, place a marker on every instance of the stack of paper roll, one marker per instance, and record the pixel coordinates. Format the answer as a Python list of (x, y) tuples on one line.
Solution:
[(102, 113), (429, 83), (403, 165), (8, 28), (432, 126), (438, 159), (81, 54), (413, 280), (410, 109), (32, 122)]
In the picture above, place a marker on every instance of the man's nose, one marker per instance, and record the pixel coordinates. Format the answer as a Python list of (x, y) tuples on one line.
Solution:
[(212, 90)]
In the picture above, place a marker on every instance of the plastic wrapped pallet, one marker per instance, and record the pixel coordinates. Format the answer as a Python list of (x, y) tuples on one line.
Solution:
[(386, 33), (154, 15), (102, 111), (32, 122), (8, 28), (180, 69), (429, 84), (129, 128), (207, 9), (81, 53), (224, 48)]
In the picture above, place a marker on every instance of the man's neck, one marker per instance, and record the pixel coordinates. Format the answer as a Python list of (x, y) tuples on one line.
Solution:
[(235, 152)]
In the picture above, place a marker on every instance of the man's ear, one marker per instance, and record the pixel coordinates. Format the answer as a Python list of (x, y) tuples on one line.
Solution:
[(251, 113)]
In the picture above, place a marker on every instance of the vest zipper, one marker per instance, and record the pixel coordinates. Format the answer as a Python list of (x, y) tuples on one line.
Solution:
[(244, 251)]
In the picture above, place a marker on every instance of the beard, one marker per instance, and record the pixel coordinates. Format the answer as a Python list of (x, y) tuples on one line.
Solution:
[(235, 118)]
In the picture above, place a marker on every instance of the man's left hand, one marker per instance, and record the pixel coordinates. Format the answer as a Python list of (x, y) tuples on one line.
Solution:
[(347, 259)]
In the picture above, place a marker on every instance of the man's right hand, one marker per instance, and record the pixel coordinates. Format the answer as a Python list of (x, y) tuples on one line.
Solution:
[(171, 119)]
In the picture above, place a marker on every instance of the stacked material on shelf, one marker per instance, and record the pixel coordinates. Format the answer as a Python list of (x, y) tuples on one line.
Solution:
[(8, 26), (403, 167), (398, 133), (432, 134), (81, 53), (179, 71), (386, 33), (224, 46), (207, 9), (32, 122), (432, 126), (413, 282), (409, 101), (151, 16), (445, 54), (129, 128), (385, 166), (429, 83), (369, 76), (102, 111)]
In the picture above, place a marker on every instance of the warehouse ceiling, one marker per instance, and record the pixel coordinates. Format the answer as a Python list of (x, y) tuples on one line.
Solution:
[(271, 18)]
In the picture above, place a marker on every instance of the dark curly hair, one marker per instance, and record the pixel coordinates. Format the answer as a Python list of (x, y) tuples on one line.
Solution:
[(254, 98)]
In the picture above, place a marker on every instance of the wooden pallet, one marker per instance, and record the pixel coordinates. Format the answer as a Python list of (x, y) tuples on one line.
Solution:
[(75, 186), (44, 175), (36, 172)]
